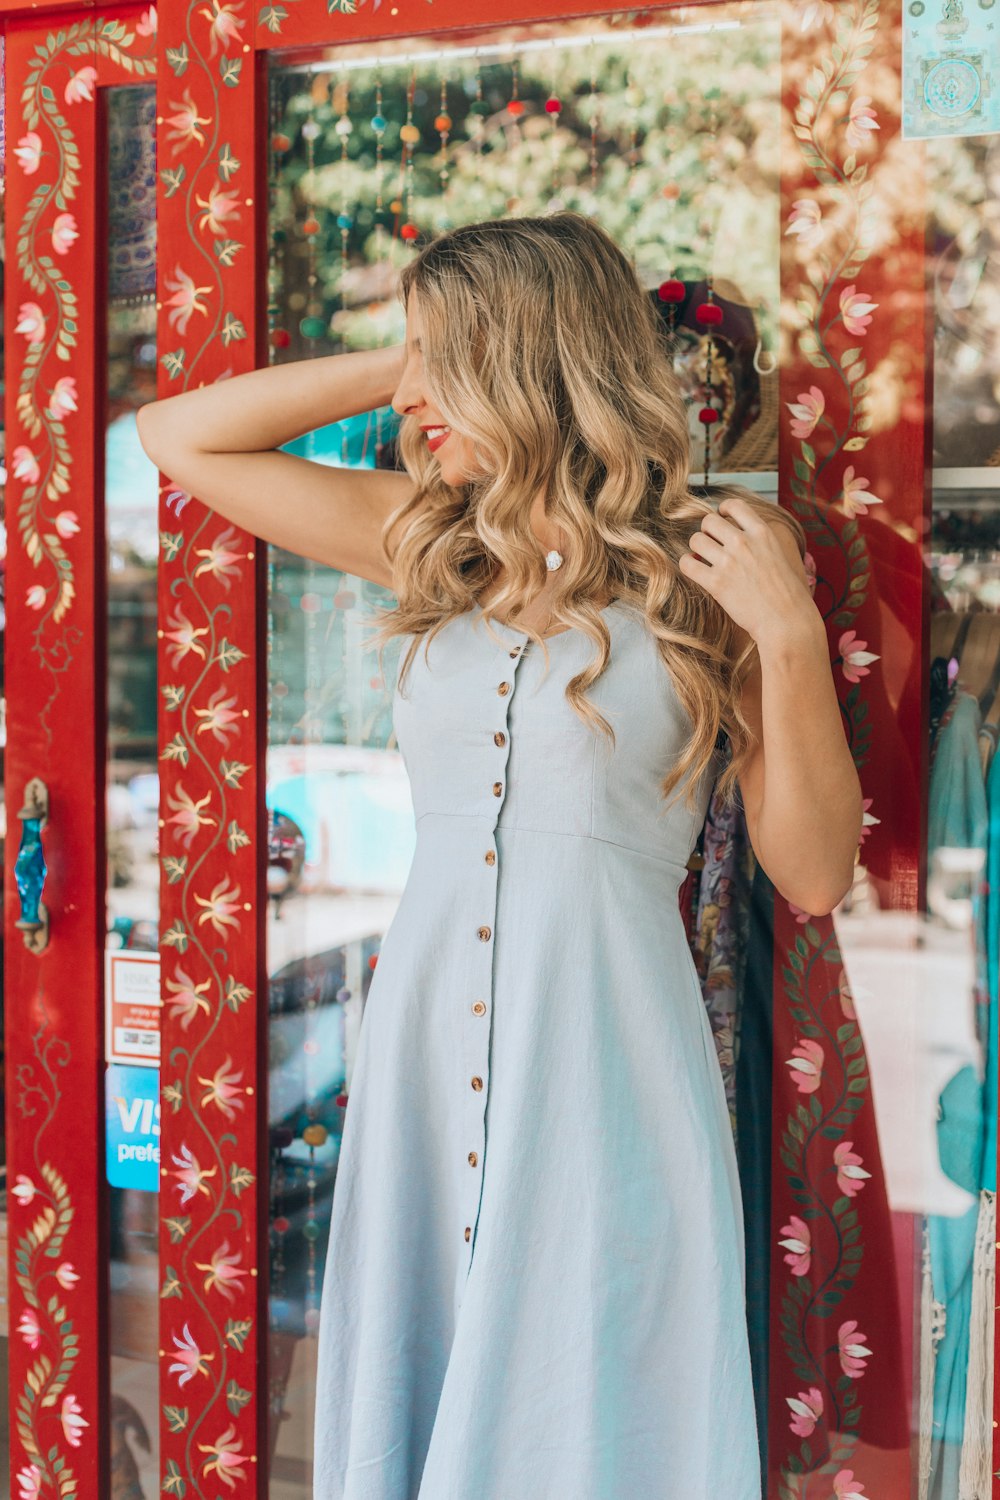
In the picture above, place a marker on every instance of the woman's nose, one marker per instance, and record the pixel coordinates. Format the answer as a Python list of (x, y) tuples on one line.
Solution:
[(405, 396)]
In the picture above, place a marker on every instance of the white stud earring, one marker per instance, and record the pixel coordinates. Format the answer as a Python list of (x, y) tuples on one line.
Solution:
[(553, 560)]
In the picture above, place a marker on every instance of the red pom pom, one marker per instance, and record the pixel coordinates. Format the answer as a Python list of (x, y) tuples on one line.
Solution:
[(341, 1100), (280, 1226), (515, 107), (280, 338), (409, 231), (671, 291), (373, 960), (553, 106), (709, 312), (708, 415)]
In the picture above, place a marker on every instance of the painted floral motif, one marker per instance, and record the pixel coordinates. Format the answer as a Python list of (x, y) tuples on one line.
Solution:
[(224, 1271), (191, 1176), (856, 494), (189, 1360), (807, 1409), (853, 1353), (855, 658), (798, 1243), (226, 1458), (806, 1063), (185, 998), (807, 411), (851, 1175)]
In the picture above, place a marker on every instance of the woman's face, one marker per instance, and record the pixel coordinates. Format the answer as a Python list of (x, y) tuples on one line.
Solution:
[(453, 450)]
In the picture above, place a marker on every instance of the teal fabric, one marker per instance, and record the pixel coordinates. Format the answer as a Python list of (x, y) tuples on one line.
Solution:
[(587, 1337), (991, 923), (958, 818)]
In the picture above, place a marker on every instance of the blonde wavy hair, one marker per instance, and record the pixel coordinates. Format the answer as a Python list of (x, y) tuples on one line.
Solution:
[(542, 345)]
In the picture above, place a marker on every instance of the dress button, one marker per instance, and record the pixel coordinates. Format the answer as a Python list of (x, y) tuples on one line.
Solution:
[(497, 788), (468, 1232), (484, 933), (473, 1158), (499, 738), (490, 856), (479, 1008), (503, 689), (477, 1083)]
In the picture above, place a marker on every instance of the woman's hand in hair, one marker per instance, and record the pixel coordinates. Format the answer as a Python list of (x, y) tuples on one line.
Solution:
[(752, 567), (799, 784)]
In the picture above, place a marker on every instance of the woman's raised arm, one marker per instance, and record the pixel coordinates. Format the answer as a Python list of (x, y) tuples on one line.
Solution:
[(220, 442)]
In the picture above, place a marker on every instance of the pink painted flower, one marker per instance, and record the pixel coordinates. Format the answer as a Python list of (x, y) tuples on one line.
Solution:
[(23, 1189), (187, 814), (221, 907), (29, 1482), (798, 1243), (188, 998), (222, 560), (176, 498), (807, 1409), (64, 232), (185, 122), (223, 1271), (856, 494), (220, 206), (147, 22), (67, 524), (36, 596), (29, 152), (72, 1420), (806, 221), (863, 121), (799, 913), (31, 322), (29, 1329), (806, 412), (63, 398), (184, 300), (855, 658), (851, 1175), (81, 85), (225, 25), (66, 1275), (223, 1089), (190, 1361), (846, 998), (185, 636), (191, 1177), (809, 563), (24, 465), (226, 1459), (856, 310), (852, 1349), (868, 820), (806, 1063), (221, 717), (846, 1487)]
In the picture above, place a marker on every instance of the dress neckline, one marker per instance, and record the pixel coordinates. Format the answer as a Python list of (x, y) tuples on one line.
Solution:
[(567, 630)]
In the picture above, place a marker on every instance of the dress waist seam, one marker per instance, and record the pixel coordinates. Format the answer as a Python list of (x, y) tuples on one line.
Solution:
[(557, 833)]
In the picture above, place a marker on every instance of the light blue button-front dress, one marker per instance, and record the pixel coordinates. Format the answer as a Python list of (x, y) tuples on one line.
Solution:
[(535, 1282)]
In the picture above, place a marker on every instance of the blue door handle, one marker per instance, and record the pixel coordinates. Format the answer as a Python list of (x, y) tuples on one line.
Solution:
[(29, 868)]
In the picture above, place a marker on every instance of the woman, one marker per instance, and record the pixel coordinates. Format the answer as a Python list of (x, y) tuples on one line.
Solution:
[(535, 1280)]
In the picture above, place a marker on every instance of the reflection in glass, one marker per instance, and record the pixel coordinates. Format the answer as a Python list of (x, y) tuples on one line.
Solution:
[(132, 969)]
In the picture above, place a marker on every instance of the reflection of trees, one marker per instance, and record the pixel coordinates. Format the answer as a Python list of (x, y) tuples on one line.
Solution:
[(631, 146), (964, 243)]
